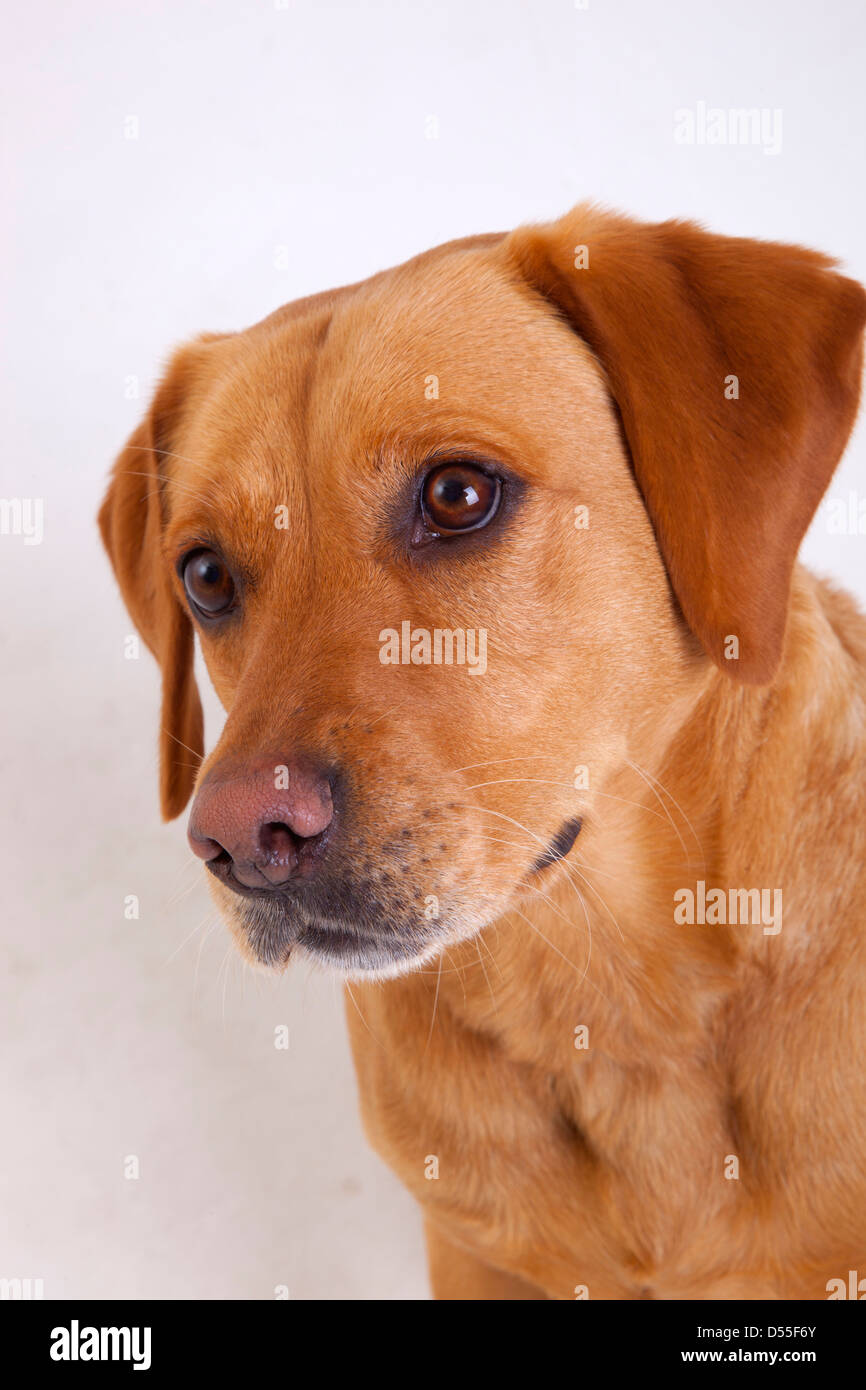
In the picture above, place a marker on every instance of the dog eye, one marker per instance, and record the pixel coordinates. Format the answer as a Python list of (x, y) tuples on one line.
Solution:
[(208, 582), (459, 497)]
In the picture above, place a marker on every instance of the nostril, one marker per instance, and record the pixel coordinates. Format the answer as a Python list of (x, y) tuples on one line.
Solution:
[(211, 851), (278, 843), (275, 858), (221, 864)]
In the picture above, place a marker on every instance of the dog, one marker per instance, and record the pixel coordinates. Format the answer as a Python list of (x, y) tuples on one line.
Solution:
[(598, 905)]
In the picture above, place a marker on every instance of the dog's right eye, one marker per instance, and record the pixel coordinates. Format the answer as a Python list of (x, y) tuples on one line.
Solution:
[(208, 582)]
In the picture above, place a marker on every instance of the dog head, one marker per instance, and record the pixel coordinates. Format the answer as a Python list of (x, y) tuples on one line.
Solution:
[(455, 533)]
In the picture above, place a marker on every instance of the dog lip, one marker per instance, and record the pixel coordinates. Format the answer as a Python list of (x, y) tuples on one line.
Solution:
[(337, 938), (561, 845), (344, 948)]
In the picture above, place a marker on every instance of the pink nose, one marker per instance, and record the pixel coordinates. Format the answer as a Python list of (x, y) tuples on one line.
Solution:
[(264, 825)]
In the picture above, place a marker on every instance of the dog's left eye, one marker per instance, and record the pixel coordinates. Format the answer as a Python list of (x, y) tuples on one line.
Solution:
[(459, 497), (208, 582)]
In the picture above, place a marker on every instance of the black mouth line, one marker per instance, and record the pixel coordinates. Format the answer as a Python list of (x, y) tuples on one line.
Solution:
[(561, 845)]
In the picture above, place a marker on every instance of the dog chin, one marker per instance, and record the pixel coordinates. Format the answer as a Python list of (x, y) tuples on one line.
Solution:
[(356, 957), (271, 935)]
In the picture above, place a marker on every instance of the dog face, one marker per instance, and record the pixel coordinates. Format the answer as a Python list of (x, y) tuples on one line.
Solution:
[(454, 540)]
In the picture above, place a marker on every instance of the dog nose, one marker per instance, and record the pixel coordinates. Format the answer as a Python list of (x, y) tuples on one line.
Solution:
[(262, 826)]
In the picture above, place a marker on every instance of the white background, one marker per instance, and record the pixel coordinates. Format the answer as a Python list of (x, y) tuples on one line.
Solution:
[(295, 137)]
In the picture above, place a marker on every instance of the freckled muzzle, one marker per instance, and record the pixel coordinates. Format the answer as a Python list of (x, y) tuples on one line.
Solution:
[(307, 866), (276, 834)]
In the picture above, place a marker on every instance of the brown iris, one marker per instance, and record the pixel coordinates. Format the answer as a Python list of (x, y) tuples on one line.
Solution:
[(459, 497), (208, 582)]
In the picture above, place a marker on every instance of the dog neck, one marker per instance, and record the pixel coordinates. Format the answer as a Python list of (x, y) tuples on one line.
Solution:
[(684, 881)]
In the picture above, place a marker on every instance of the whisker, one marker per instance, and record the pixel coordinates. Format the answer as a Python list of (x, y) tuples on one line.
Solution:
[(162, 481), (545, 939), (182, 893), (525, 828), (481, 942), (654, 780), (584, 978), (435, 1002), (386, 712), (177, 950), (546, 899), (183, 870), (494, 840), (674, 825), (183, 745), (214, 924), (516, 844), (219, 975), (522, 758), (362, 1018), (568, 868), (546, 782), (500, 815), (486, 976)]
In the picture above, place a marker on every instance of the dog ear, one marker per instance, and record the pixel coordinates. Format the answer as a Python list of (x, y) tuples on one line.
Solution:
[(736, 366), (132, 522)]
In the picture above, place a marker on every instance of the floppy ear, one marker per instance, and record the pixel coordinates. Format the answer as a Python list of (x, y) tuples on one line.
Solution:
[(735, 365), (131, 520)]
